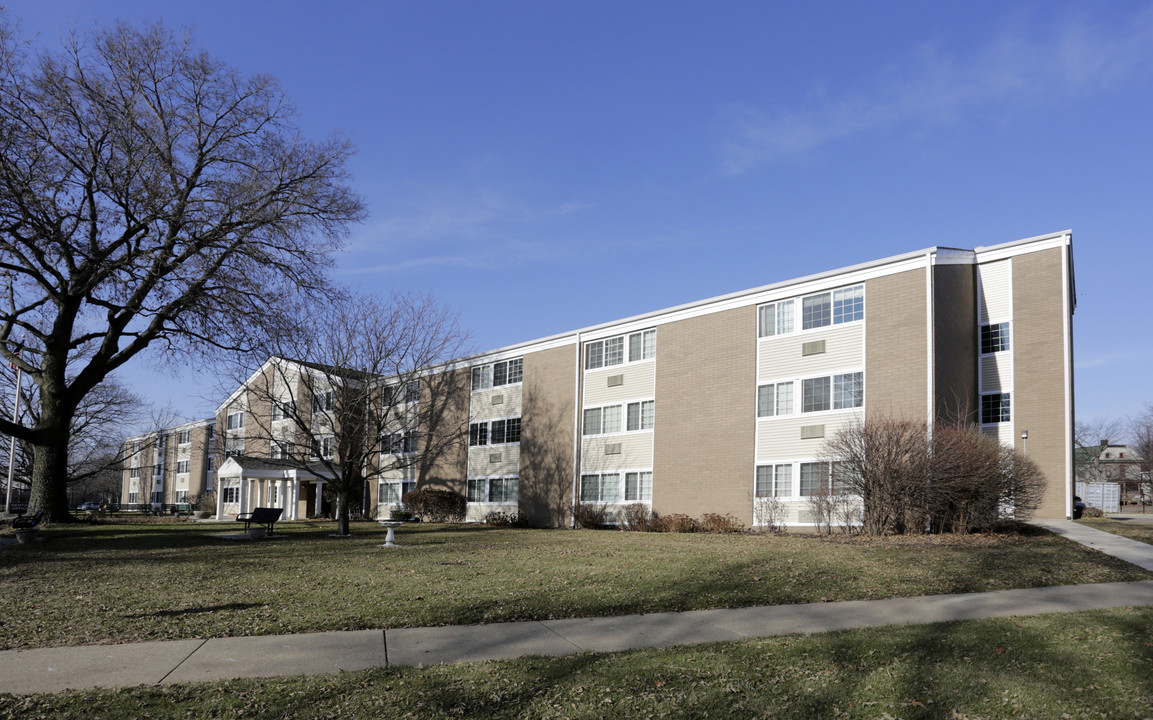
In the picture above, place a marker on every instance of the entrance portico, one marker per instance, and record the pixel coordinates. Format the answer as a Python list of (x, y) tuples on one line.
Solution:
[(243, 483)]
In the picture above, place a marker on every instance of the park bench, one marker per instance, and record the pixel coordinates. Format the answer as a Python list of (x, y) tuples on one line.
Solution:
[(262, 517), (27, 522)]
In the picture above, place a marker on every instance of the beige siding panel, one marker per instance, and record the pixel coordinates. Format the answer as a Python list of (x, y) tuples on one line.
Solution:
[(480, 460), (781, 357), (997, 372), (996, 290), (705, 426), (546, 441), (636, 452), (779, 440), (476, 512), (481, 405), (896, 346), (1038, 402), (639, 382)]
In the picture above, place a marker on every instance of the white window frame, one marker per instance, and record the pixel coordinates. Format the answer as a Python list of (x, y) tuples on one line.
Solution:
[(1004, 408), (482, 490), (839, 306), (1004, 341), (184, 437), (182, 467), (626, 349), (230, 495), (234, 420), (394, 488), (508, 372), (486, 427), (618, 414)]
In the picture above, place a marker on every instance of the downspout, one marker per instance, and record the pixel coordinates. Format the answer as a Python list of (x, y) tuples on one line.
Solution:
[(576, 455), (1067, 309)]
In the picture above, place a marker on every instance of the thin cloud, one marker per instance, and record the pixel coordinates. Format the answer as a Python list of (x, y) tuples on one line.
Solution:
[(1019, 67)]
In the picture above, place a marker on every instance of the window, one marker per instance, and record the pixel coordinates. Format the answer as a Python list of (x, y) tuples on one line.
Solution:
[(848, 305), (496, 432), (995, 408), (134, 472), (994, 338), (638, 487), (642, 345), (158, 470), (283, 410), (848, 391), (183, 437), (505, 372), (815, 394), (234, 446), (814, 477), (840, 306), (277, 451), (775, 399), (775, 319), (323, 401), (641, 415), (181, 467), (602, 420), (392, 492), (611, 351), (604, 488), (211, 466), (493, 490), (774, 481), (399, 443), (133, 497), (235, 419), (322, 447), (230, 495)]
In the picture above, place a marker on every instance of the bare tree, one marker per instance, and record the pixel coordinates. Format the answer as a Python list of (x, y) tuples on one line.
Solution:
[(1141, 435), (149, 194), (364, 395), (1088, 437), (910, 480)]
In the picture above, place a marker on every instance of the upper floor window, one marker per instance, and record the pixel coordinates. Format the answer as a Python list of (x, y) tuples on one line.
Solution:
[(408, 392), (324, 400), (398, 443), (235, 420), (134, 472), (775, 399), (322, 447), (184, 437), (994, 338), (181, 467), (995, 408), (506, 372), (495, 432), (775, 318), (283, 410), (612, 351)]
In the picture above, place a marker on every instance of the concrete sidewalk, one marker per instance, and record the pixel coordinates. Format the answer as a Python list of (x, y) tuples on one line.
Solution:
[(181, 661)]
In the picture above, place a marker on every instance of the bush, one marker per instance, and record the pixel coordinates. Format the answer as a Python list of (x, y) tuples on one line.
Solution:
[(592, 517), (635, 517), (435, 505), (721, 524), (516, 519), (1093, 512), (675, 523), (770, 513)]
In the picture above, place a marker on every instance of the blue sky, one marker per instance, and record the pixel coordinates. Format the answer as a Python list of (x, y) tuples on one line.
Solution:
[(543, 166)]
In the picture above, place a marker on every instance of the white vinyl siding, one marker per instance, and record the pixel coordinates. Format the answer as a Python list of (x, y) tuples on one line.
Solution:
[(996, 291), (782, 357)]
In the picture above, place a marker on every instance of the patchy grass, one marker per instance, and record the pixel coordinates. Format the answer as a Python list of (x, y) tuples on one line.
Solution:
[(1132, 529), (131, 582), (1078, 665)]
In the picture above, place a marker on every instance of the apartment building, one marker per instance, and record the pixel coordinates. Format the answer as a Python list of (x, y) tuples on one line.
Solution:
[(169, 466), (706, 407)]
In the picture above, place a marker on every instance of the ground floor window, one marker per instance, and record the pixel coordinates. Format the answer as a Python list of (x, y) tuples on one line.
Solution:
[(230, 495), (158, 496), (814, 478), (774, 481), (639, 487), (615, 487), (181, 496), (391, 492), (504, 490), (133, 498)]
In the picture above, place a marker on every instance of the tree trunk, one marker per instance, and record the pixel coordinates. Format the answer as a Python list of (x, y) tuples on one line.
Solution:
[(342, 509), (50, 471)]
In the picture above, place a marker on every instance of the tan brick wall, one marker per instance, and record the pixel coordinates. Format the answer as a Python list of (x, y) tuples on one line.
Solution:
[(445, 467), (955, 342), (896, 357), (705, 420), (546, 444), (1038, 400)]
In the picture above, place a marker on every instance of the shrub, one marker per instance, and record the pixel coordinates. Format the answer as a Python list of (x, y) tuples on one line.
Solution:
[(511, 519), (675, 523), (770, 512), (635, 517), (721, 524), (1093, 512), (821, 510), (590, 516), (435, 505)]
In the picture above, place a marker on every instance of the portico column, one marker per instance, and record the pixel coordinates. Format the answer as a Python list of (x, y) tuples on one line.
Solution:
[(243, 494), (319, 496), (220, 502)]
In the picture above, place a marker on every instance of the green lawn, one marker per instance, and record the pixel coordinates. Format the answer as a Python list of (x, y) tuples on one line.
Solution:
[(1078, 665), (1132, 529), (130, 582)]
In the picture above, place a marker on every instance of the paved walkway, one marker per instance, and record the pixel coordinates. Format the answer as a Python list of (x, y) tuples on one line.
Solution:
[(181, 661)]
